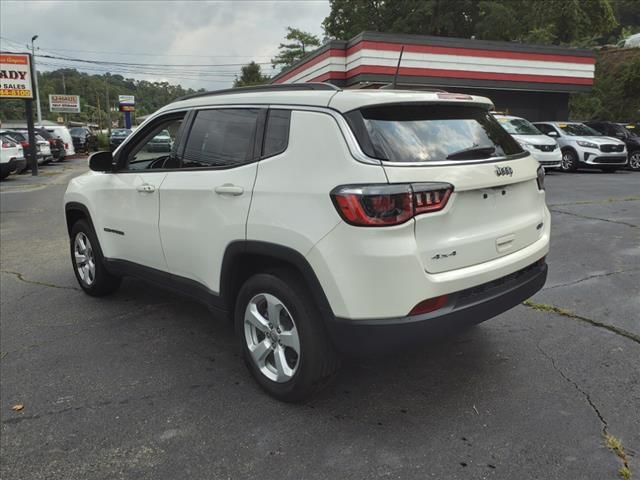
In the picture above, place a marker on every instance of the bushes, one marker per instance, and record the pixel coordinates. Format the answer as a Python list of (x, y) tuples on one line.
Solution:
[(103, 141)]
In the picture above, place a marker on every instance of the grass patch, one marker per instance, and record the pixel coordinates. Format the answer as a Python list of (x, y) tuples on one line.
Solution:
[(615, 445)]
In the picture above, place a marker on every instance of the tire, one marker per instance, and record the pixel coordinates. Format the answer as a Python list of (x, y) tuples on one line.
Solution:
[(609, 169), (92, 276), (569, 161), (4, 175), (634, 161), (299, 374)]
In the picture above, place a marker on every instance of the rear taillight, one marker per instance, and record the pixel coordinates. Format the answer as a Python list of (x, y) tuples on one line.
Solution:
[(66, 146), (384, 205), (24, 144), (6, 145), (52, 143)]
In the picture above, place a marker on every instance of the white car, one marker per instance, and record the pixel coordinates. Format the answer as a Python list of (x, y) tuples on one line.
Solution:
[(62, 132), (320, 220), (11, 157), (583, 147), (542, 148)]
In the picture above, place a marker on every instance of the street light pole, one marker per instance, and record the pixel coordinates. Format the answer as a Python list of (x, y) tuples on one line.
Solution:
[(35, 78)]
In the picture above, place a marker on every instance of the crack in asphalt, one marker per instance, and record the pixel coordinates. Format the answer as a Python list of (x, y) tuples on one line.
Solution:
[(585, 394), (589, 277), (554, 210), (20, 277), (596, 202), (543, 307), (608, 438)]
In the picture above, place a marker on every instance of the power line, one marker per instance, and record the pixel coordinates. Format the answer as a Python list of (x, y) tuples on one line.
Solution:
[(163, 65)]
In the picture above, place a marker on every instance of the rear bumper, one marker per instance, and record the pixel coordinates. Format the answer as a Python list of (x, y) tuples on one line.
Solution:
[(463, 309)]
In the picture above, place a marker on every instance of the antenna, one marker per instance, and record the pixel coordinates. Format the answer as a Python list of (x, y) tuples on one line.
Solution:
[(395, 77)]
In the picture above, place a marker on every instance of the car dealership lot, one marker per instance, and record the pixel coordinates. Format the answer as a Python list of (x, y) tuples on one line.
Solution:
[(146, 384)]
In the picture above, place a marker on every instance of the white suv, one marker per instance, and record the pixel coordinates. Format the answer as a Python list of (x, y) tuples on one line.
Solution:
[(323, 221), (542, 148), (583, 147)]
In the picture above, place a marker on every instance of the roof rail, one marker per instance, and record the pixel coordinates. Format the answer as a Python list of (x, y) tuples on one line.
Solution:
[(264, 88)]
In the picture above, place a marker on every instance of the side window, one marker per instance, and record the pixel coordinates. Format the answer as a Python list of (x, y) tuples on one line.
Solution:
[(276, 137), (543, 128), (221, 138), (156, 146)]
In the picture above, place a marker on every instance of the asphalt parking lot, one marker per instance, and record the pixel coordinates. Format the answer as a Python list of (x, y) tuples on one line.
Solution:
[(147, 385)]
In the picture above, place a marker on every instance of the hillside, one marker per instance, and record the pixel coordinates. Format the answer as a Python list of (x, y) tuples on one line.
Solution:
[(616, 91), (92, 89)]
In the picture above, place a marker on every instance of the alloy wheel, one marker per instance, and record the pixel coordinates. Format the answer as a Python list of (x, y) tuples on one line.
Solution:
[(84, 258), (567, 161), (634, 161), (272, 338)]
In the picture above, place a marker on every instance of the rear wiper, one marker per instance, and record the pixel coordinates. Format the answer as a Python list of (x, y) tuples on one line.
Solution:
[(471, 152)]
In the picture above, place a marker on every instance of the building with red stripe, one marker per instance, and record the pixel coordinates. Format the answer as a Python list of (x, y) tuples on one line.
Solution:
[(532, 81)]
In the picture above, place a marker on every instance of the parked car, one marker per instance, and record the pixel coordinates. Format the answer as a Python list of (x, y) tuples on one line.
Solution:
[(543, 148), (321, 220), (63, 134), (583, 147), (117, 137), (631, 140), (162, 142), (83, 139), (11, 157), (55, 144), (43, 151)]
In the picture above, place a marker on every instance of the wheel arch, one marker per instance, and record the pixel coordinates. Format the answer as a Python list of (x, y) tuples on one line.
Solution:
[(248, 257), (75, 211)]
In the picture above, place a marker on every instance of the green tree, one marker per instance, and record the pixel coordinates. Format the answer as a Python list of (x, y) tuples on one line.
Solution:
[(567, 22), (298, 46), (251, 74)]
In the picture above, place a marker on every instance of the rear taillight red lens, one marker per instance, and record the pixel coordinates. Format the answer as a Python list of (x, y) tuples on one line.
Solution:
[(52, 143), (6, 145), (66, 146), (24, 144), (429, 305), (384, 205)]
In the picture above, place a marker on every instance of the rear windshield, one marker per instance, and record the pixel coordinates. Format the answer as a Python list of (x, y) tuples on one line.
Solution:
[(430, 133), (518, 126)]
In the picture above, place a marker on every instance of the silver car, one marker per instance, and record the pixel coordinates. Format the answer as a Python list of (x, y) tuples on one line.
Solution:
[(583, 147)]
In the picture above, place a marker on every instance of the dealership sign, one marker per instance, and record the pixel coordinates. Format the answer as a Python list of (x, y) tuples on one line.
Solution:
[(127, 103), (15, 75), (64, 103)]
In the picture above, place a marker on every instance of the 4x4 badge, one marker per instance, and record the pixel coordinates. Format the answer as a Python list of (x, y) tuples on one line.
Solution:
[(502, 171)]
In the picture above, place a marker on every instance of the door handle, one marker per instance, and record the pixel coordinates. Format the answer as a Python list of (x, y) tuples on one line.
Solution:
[(146, 188), (229, 189)]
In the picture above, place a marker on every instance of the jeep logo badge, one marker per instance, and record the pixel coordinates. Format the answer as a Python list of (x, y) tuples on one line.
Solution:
[(503, 171)]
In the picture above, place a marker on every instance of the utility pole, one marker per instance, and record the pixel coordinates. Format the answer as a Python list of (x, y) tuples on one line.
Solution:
[(106, 86), (64, 90), (35, 78)]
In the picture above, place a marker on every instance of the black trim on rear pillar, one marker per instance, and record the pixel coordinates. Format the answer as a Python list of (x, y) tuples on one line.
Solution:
[(463, 309)]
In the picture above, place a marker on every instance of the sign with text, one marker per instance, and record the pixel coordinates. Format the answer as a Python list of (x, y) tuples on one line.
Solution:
[(127, 103), (64, 103), (126, 100), (15, 75)]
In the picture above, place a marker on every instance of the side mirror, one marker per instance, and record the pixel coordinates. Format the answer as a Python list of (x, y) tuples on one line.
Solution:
[(101, 162), (553, 134)]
